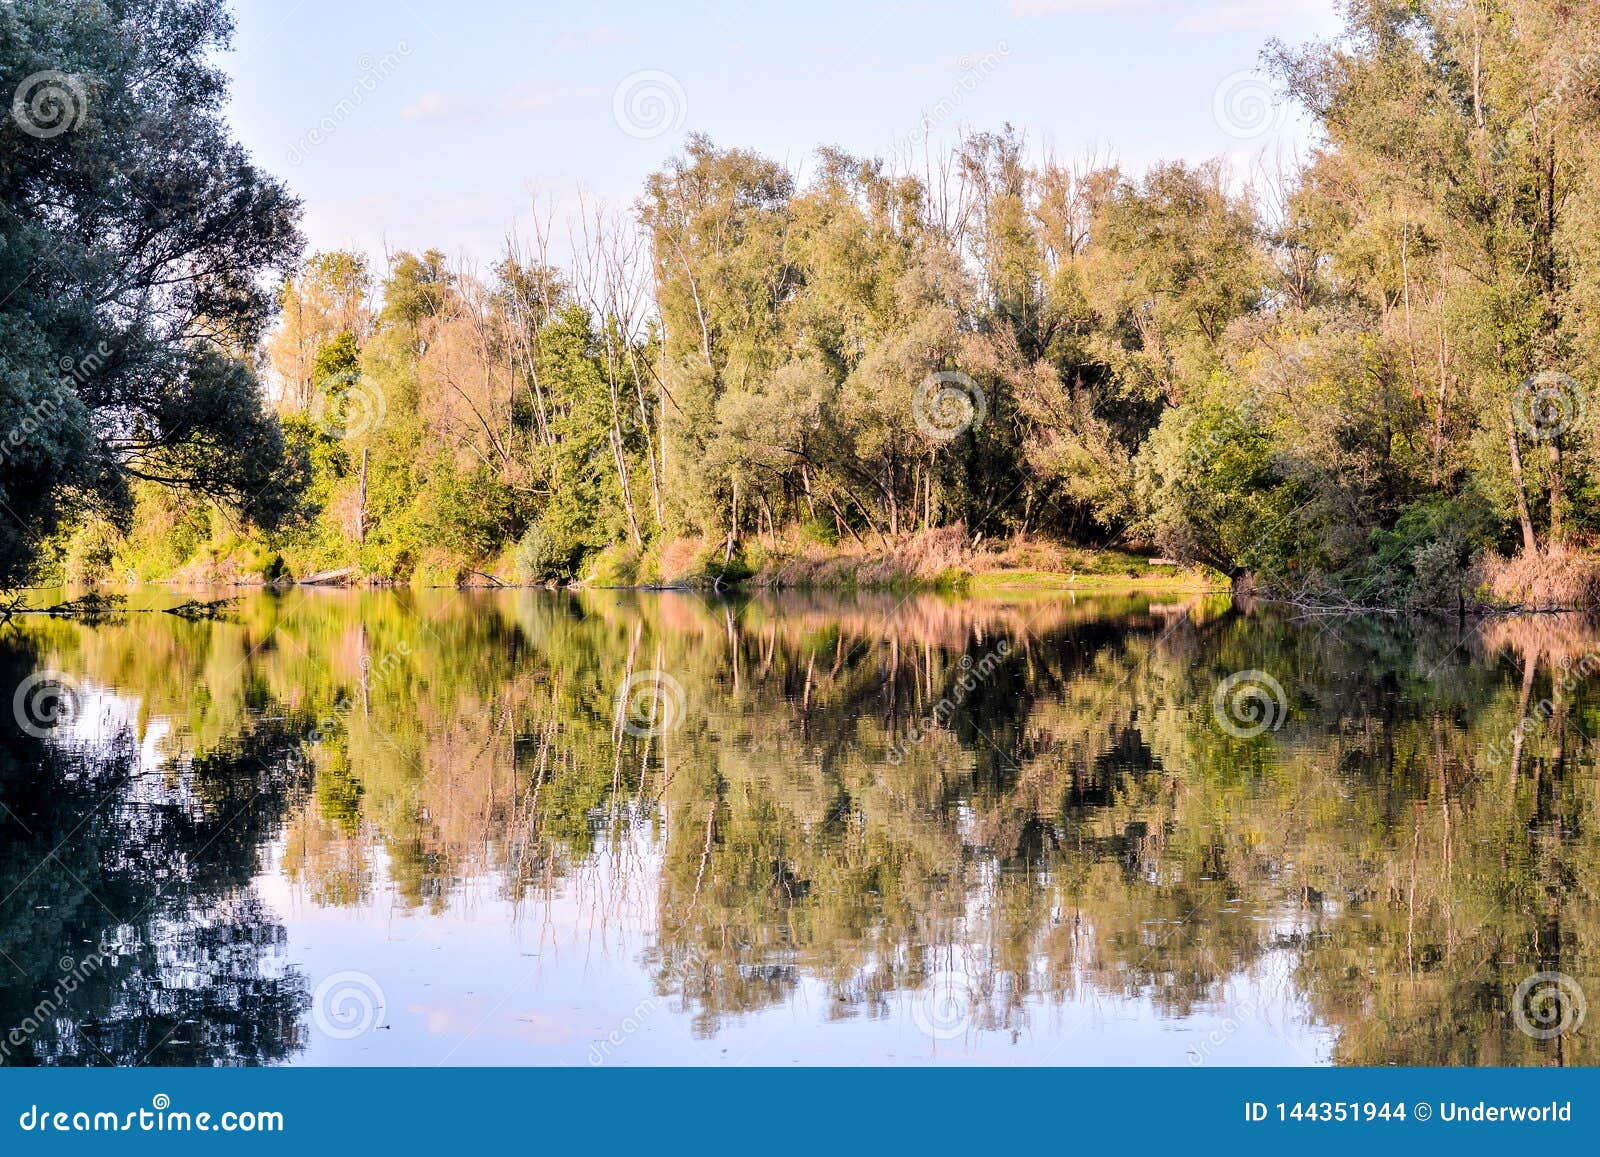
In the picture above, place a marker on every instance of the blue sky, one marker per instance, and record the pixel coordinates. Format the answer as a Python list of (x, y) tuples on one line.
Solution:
[(413, 123)]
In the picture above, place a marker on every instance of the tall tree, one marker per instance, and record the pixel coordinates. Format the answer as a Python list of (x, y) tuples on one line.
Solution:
[(137, 241)]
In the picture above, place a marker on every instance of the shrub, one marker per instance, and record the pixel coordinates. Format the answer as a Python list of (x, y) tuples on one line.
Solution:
[(537, 559)]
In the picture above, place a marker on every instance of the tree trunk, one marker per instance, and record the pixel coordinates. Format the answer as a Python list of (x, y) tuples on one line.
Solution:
[(1558, 497), (361, 504), (1530, 544), (733, 523)]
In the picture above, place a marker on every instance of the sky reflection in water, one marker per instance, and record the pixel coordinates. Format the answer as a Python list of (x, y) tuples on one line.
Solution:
[(618, 829)]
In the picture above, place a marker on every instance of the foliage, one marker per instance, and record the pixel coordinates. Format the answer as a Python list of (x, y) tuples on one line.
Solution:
[(1351, 378), (135, 249)]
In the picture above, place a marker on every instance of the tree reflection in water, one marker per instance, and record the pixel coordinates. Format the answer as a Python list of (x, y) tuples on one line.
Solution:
[(130, 930), (1074, 822)]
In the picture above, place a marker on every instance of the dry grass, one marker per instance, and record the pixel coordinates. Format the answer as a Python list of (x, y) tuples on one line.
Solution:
[(930, 557), (948, 557), (1556, 640), (942, 558), (1556, 581), (678, 558)]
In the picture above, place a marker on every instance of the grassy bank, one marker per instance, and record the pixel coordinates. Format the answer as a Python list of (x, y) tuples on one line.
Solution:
[(943, 559), (946, 559)]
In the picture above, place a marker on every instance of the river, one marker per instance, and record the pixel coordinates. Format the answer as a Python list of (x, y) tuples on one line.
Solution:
[(617, 828)]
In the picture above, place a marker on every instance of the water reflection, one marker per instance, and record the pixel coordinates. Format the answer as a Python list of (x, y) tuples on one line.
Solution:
[(424, 827)]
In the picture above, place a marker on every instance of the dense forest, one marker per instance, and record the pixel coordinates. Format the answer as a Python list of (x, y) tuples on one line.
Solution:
[(1360, 374)]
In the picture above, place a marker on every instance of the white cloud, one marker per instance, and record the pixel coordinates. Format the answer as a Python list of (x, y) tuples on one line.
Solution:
[(531, 100), (1251, 15), (1072, 7), (436, 106)]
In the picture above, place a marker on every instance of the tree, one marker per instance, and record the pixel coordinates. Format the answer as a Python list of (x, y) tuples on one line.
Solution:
[(1450, 190), (135, 247), (325, 300)]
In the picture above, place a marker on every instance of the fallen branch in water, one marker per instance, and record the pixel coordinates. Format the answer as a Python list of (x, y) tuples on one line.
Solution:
[(326, 577), (97, 608), (209, 610), (91, 607), (1322, 611)]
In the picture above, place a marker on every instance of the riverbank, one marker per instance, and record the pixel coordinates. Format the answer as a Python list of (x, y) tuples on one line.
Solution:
[(938, 560), (944, 560), (1104, 571), (947, 559)]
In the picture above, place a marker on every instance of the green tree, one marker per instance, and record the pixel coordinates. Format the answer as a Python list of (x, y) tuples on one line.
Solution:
[(136, 246)]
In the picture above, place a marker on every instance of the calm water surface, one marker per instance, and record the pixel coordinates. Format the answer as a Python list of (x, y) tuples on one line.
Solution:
[(617, 829)]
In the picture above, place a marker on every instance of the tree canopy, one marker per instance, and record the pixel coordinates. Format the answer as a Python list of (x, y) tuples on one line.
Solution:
[(138, 245), (1362, 374)]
